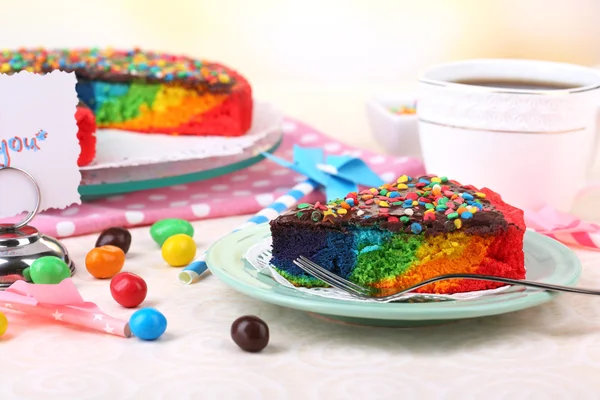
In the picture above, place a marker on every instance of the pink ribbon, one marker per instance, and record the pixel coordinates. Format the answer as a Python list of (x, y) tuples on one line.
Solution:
[(565, 228), (63, 304)]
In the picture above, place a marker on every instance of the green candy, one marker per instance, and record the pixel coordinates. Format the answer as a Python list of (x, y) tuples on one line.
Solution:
[(48, 270), (453, 215), (165, 228), (27, 274)]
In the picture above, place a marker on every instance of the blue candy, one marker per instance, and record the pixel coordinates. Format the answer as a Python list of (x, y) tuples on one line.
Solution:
[(394, 195), (350, 201), (416, 228), (467, 196), (466, 215), (147, 324), (478, 205), (425, 181)]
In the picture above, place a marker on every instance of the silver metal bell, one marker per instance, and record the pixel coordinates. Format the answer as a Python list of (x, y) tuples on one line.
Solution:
[(22, 244)]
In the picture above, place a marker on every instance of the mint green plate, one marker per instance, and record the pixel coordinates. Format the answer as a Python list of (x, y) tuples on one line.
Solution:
[(546, 260)]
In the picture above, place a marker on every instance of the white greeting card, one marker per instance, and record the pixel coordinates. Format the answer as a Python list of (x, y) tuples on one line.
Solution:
[(38, 133)]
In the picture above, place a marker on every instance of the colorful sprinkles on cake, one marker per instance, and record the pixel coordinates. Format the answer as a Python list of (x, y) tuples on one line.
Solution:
[(147, 91), (408, 204), (114, 65)]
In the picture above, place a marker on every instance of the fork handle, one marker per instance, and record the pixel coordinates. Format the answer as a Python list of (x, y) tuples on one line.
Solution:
[(538, 285)]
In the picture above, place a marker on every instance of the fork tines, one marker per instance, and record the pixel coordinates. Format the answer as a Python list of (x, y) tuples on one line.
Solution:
[(329, 277)]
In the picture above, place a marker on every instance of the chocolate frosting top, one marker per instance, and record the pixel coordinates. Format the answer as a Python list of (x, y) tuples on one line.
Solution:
[(425, 205), (121, 66)]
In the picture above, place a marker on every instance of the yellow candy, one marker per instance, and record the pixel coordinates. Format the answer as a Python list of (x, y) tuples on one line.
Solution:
[(402, 186), (436, 180), (383, 204), (3, 324), (457, 223), (342, 211), (328, 212), (179, 250), (224, 78), (5, 67), (480, 195), (403, 179), (415, 203)]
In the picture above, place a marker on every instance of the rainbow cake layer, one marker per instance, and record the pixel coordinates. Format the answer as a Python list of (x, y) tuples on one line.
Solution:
[(403, 233), (148, 91)]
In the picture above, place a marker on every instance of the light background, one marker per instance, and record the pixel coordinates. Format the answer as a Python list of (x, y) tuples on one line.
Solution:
[(318, 57)]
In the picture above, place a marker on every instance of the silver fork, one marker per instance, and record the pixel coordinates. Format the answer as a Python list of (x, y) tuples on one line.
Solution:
[(386, 295)]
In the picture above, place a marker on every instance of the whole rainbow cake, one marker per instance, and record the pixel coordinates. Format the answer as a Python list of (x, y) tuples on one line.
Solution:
[(403, 233), (147, 91)]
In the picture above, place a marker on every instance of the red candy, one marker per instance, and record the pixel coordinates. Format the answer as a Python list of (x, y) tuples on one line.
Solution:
[(129, 290)]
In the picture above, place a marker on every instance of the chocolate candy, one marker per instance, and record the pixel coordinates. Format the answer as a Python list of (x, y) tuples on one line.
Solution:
[(27, 274), (116, 236), (250, 333), (104, 262), (165, 228), (129, 290), (3, 324), (49, 270), (148, 324), (179, 250)]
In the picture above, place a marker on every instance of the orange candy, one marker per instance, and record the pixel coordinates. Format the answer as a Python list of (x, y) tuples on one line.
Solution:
[(105, 262)]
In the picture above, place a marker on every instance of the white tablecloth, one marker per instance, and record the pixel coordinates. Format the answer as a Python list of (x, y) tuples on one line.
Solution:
[(548, 352)]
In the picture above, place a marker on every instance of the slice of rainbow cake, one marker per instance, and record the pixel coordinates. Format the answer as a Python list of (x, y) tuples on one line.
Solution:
[(403, 233)]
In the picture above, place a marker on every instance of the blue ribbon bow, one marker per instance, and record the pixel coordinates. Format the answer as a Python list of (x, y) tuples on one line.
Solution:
[(339, 175)]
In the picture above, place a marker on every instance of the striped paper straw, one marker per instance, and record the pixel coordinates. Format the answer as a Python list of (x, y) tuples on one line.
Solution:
[(191, 273)]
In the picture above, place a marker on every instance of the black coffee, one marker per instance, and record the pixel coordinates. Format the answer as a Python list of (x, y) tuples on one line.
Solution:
[(517, 84)]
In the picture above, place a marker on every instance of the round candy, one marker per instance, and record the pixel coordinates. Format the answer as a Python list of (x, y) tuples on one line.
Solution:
[(48, 270), (3, 324), (105, 262), (148, 324), (129, 290), (27, 274), (250, 333), (179, 250), (165, 228), (115, 236)]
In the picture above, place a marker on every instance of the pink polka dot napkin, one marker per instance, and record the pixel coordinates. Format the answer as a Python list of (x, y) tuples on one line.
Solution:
[(243, 192)]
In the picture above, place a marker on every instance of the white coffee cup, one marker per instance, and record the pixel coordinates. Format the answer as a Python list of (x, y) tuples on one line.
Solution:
[(533, 146)]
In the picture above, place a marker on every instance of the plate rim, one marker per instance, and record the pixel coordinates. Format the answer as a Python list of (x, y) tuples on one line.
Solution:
[(499, 304), (96, 191)]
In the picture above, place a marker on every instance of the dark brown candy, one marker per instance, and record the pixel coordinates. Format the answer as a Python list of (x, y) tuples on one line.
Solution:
[(116, 236), (250, 333)]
